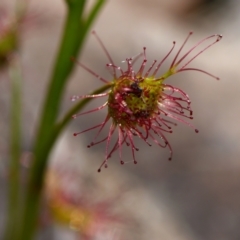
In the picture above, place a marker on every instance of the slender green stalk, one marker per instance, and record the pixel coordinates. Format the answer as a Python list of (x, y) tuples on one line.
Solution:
[(76, 108), (92, 15), (15, 151), (58, 128), (72, 41)]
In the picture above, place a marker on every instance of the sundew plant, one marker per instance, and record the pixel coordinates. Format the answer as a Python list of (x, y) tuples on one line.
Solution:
[(139, 102)]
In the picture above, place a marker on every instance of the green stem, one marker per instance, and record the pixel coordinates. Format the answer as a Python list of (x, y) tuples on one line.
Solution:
[(60, 126), (96, 8), (72, 41), (15, 151), (33, 199)]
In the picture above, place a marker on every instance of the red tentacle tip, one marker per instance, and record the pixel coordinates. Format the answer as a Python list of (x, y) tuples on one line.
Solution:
[(75, 134), (196, 130), (122, 162), (99, 170), (135, 162), (219, 37), (169, 159)]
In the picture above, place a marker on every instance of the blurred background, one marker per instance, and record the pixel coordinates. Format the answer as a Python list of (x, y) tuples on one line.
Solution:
[(195, 196)]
